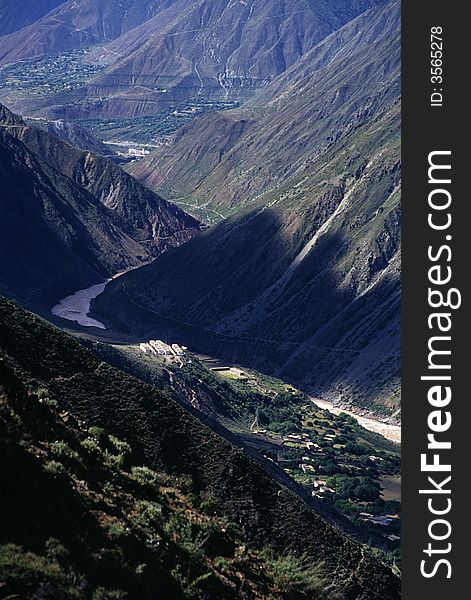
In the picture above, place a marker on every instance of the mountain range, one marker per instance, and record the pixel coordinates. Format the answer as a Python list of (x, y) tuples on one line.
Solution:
[(54, 26), (74, 135), (224, 160), (303, 282), (276, 251), (16, 15), (219, 50)]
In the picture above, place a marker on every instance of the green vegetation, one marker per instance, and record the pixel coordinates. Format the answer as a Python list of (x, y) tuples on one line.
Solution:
[(152, 128), (331, 456), (124, 506), (138, 524), (49, 74), (292, 576)]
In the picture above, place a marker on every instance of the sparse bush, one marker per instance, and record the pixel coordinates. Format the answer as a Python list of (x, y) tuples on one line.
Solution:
[(63, 451), (116, 531), (91, 445), (28, 570), (210, 506), (144, 476), (104, 594), (55, 550), (148, 513), (42, 393), (51, 402), (293, 576), (54, 468), (99, 434), (123, 448), (182, 531), (113, 460), (221, 564)]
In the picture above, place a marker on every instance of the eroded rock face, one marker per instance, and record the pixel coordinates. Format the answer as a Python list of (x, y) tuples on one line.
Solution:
[(226, 160), (58, 25)]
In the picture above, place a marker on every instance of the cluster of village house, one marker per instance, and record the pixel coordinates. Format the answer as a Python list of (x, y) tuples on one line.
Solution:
[(161, 348), (302, 440), (319, 486)]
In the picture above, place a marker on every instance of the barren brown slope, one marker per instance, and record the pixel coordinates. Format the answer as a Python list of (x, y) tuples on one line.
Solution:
[(75, 24), (73, 134), (203, 50), (221, 48), (62, 228), (55, 237), (224, 160)]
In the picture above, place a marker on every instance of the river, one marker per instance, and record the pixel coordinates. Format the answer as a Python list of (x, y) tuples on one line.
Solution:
[(77, 306), (391, 432)]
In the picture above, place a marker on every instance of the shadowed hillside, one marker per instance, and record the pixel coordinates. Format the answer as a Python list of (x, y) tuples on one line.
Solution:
[(69, 392), (15, 15), (70, 219)]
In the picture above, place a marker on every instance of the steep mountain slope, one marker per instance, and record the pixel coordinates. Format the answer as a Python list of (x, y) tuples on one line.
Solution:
[(68, 391), (222, 161), (15, 15), (216, 50), (61, 484), (307, 289), (146, 217), (305, 284), (75, 24), (57, 235), (74, 135)]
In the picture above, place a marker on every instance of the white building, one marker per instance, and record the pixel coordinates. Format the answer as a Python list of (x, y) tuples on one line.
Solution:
[(158, 347), (138, 152), (178, 351)]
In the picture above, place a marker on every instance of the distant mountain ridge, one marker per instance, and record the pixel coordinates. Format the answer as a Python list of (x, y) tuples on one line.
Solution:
[(217, 48), (208, 49), (225, 160), (75, 24), (72, 134), (15, 15)]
